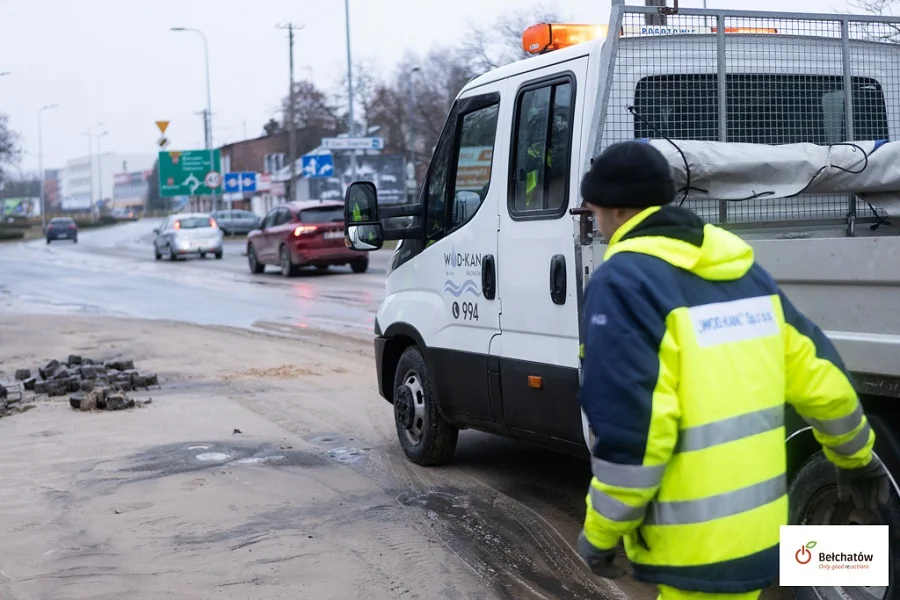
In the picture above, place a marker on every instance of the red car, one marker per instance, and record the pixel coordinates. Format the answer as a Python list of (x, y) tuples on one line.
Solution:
[(299, 234)]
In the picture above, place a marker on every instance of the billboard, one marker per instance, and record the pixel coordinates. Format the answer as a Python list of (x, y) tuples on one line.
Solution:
[(386, 171), (20, 207)]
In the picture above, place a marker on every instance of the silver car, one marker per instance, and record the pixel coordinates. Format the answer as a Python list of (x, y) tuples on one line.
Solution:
[(235, 221), (188, 234)]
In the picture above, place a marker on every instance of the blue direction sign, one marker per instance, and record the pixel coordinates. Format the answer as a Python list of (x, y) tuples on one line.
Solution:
[(240, 182), (232, 182), (248, 181), (318, 165)]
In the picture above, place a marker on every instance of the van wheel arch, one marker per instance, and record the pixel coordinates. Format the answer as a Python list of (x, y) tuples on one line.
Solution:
[(399, 337)]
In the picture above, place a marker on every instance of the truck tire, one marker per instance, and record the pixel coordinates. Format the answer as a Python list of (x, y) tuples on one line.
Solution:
[(426, 438), (814, 501)]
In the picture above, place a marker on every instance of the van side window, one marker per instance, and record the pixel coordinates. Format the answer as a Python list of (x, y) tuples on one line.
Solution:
[(474, 159), (436, 197), (542, 150)]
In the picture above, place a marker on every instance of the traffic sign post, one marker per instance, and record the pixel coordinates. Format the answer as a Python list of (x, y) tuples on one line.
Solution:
[(318, 165), (189, 173), (357, 143), (244, 181)]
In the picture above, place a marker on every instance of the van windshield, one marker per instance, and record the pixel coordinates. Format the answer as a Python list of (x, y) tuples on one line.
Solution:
[(326, 214), (762, 108)]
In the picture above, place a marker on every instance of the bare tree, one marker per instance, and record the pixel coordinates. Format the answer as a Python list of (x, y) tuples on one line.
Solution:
[(366, 81), (314, 115), (500, 42), (10, 151), (882, 32)]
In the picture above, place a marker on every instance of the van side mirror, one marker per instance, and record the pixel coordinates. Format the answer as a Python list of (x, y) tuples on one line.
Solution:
[(361, 203), (363, 230), (156, 231)]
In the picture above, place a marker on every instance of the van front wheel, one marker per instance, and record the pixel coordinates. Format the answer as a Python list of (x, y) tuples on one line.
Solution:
[(427, 439)]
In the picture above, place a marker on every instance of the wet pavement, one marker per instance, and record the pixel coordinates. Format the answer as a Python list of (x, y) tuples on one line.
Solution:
[(112, 271)]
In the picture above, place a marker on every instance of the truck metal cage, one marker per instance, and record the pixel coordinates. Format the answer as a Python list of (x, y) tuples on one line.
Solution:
[(757, 77)]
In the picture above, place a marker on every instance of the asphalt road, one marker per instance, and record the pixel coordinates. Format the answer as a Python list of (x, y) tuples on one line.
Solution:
[(111, 271)]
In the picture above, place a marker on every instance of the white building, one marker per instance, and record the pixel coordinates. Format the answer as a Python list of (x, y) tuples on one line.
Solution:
[(84, 176)]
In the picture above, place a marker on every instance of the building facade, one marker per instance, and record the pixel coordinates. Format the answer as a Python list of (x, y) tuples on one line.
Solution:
[(87, 182), (264, 155), (130, 190)]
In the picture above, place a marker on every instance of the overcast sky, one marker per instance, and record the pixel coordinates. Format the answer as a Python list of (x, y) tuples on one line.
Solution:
[(117, 62)]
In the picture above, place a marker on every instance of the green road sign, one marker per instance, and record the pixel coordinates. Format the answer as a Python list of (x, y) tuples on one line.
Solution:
[(186, 173)]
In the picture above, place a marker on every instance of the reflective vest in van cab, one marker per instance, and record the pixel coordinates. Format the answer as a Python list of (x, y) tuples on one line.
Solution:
[(531, 178), (690, 352)]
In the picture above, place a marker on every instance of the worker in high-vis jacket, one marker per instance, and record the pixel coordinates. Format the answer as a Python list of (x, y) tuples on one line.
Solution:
[(690, 353)]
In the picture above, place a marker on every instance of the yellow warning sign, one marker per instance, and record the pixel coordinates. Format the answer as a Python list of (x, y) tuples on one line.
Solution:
[(162, 126)]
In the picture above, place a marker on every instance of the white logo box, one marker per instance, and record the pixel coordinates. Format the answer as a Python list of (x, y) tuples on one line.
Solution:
[(834, 555)]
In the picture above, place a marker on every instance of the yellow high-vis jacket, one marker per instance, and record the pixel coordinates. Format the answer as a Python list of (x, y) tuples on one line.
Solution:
[(690, 353)]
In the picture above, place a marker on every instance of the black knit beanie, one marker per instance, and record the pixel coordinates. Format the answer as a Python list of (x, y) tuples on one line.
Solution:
[(629, 175)]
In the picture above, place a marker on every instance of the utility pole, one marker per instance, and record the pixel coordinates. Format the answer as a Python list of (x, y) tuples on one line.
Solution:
[(292, 120), (205, 116), (209, 138), (352, 128)]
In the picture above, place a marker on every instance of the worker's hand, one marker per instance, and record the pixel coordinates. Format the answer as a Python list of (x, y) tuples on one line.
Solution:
[(601, 562), (868, 487)]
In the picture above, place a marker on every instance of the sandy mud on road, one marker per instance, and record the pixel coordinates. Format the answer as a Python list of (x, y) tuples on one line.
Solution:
[(265, 467)]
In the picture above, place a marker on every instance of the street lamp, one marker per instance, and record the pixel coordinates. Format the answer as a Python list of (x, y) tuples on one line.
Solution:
[(352, 128), (412, 123), (90, 134), (41, 159), (100, 164), (209, 134)]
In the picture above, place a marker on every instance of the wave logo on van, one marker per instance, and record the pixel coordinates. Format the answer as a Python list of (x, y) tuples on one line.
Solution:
[(468, 286)]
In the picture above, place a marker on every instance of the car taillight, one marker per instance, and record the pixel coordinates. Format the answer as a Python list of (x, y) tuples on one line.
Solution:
[(177, 225), (212, 223), (305, 230)]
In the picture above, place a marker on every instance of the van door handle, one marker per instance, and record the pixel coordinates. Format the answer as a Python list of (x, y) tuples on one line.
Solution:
[(488, 277), (558, 279)]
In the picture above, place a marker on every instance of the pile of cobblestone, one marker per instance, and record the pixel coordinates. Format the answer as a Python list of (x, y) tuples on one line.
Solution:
[(90, 384)]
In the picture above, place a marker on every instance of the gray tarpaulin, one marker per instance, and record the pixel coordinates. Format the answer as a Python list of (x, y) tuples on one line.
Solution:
[(733, 171)]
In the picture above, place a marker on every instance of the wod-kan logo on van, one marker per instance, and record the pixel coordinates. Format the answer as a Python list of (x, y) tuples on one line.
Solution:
[(463, 271), (463, 260)]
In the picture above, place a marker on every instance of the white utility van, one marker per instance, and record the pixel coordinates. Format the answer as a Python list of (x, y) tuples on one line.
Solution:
[(480, 327)]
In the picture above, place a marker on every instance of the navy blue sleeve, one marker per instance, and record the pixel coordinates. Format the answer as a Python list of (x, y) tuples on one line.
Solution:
[(623, 331)]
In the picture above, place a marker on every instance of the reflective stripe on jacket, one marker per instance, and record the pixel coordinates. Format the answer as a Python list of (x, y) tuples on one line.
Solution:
[(690, 353)]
